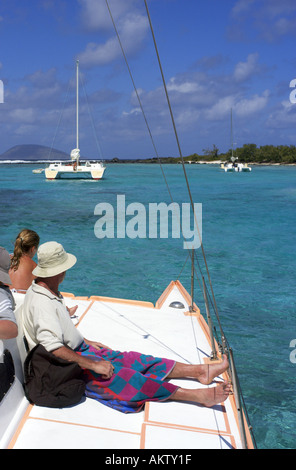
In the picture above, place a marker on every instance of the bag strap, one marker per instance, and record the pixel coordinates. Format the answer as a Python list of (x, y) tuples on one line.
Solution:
[(26, 344), (28, 360)]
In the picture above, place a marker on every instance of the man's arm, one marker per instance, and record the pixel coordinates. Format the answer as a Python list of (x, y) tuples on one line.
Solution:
[(102, 367)]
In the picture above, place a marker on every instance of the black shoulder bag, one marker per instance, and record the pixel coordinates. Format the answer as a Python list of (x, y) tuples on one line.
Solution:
[(51, 381), (7, 373)]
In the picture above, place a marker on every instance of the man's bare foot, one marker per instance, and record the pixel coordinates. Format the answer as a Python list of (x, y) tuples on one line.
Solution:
[(207, 372), (214, 395), (204, 396)]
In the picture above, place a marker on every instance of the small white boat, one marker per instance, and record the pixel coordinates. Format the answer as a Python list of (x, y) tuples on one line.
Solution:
[(169, 329), (76, 169), (233, 166)]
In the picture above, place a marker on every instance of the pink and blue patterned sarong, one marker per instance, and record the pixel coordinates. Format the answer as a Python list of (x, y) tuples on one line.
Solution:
[(137, 378)]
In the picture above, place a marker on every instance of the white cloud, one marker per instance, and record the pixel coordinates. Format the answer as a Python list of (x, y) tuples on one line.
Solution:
[(21, 115), (42, 79), (132, 31), (184, 87), (242, 106), (100, 54), (273, 19), (95, 14), (246, 107), (241, 7), (283, 116), (244, 70), (221, 108), (25, 130)]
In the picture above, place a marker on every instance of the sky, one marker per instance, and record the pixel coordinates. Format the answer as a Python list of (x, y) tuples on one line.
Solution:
[(216, 55)]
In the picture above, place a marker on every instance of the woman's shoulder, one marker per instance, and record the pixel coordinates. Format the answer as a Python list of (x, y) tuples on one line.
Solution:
[(22, 277), (27, 262)]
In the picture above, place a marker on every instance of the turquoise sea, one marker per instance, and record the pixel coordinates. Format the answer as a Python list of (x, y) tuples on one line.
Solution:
[(249, 237)]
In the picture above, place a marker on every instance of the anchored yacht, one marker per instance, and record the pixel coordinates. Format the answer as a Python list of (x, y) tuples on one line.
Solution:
[(75, 168), (233, 166)]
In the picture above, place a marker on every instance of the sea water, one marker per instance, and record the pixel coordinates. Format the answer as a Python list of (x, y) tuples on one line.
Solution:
[(249, 238)]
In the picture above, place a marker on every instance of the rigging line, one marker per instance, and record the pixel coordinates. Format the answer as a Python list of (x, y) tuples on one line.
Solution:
[(155, 149), (146, 334), (145, 118), (138, 97), (210, 298), (150, 133), (152, 140), (178, 277), (170, 108), (91, 119), (59, 121), (179, 147)]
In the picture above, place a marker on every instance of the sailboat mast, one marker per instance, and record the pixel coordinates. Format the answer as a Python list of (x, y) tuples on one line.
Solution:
[(77, 104), (231, 135)]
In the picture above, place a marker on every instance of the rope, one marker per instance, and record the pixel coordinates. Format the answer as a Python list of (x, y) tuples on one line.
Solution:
[(192, 256), (147, 125), (138, 97), (180, 153), (92, 121), (156, 152), (59, 122)]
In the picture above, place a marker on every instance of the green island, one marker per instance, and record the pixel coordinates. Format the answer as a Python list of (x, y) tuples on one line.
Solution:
[(248, 153)]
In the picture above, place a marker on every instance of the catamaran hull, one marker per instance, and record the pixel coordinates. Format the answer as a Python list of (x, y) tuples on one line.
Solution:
[(233, 170), (166, 329), (80, 173), (236, 169)]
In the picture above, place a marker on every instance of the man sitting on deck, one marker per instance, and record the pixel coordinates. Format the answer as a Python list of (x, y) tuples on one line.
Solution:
[(121, 380)]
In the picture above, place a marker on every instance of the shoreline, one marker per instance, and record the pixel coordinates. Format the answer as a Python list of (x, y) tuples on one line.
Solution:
[(141, 161)]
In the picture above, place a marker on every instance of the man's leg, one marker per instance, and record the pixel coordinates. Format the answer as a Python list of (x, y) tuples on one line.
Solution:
[(204, 373)]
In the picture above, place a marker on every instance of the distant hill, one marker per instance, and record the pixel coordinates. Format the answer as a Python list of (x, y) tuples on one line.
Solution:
[(33, 152)]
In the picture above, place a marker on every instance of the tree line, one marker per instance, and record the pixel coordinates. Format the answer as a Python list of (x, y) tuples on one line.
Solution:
[(249, 153)]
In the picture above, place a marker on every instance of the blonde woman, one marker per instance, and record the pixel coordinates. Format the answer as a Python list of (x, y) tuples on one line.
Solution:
[(22, 264)]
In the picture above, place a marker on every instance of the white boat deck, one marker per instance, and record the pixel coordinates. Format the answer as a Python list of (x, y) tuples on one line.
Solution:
[(129, 325)]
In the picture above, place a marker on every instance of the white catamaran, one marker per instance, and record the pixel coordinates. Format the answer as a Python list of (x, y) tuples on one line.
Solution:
[(172, 328), (233, 165), (75, 168)]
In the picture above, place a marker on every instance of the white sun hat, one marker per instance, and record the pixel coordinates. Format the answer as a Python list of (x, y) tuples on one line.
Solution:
[(53, 260)]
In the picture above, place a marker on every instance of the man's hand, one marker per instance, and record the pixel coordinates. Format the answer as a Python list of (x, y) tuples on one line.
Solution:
[(72, 310), (105, 368)]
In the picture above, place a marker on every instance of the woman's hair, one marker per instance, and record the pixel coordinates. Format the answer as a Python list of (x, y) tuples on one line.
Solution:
[(25, 240)]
